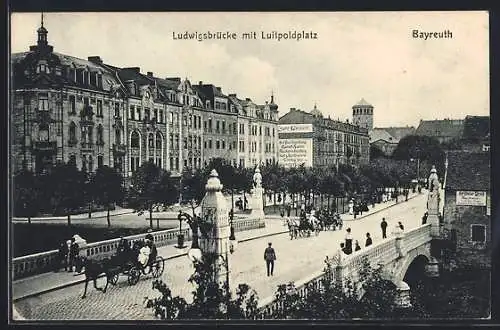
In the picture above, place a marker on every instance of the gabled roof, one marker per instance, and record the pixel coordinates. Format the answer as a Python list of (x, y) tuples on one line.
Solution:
[(468, 171), (378, 134), (295, 116), (208, 91), (476, 127), (446, 127)]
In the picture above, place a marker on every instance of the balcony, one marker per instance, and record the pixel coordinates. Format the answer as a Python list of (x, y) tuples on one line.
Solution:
[(45, 146), (119, 149), (87, 146)]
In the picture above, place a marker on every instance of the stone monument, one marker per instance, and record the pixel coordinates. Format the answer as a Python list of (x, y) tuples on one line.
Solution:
[(214, 210), (433, 201), (257, 197)]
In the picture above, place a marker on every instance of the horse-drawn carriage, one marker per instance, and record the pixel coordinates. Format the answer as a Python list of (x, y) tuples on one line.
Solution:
[(127, 261)]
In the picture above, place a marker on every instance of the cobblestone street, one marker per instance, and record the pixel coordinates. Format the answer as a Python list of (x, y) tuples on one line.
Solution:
[(296, 259)]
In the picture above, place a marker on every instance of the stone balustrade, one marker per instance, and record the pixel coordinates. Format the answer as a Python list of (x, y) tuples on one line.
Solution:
[(348, 266), (46, 261)]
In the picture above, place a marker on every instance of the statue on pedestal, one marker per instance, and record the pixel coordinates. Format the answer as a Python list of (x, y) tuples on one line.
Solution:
[(257, 194), (433, 201)]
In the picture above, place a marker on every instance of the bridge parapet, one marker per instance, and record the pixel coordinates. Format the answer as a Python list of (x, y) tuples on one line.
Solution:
[(390, 251)]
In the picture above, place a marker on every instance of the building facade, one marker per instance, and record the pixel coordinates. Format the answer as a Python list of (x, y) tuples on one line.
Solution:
[(90, 113), (308, 138), (467, 210)]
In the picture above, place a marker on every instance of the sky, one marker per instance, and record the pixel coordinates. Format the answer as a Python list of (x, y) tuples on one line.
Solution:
[(370, 55)]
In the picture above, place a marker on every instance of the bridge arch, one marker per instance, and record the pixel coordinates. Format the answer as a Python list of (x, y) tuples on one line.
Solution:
[(414, 263)]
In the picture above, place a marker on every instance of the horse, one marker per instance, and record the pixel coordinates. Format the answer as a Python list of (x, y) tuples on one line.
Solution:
[(94, 268), (292, 228)]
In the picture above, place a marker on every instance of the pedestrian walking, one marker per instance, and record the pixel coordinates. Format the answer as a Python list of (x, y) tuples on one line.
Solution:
[(424, 218), (269, 257), (62, 257), (74, 251), (368, 240), (342, 248), (356, 246), (383, 225), (400, 225), (348, 241), (288, 210)]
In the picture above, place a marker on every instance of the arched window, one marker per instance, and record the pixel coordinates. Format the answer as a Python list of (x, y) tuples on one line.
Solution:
[(151, 140), (158, 140), (72, 132), (134, 140)]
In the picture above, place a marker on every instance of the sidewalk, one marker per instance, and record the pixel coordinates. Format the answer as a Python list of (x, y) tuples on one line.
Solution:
[(46, 282), (95, 215), (379, 207)]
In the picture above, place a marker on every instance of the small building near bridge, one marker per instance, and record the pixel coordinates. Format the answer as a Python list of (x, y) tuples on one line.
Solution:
[(467, 210)]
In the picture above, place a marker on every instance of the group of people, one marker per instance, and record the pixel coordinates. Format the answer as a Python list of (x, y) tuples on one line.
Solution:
[(67, 255), (347, 247)]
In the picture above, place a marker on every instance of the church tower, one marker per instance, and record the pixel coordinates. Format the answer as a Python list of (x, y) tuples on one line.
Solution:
[(362, 114)]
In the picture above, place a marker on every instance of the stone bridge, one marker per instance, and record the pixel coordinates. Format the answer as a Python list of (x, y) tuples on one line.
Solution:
[(404, 253)]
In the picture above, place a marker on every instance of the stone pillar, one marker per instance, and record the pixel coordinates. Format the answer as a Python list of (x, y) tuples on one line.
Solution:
[(432, 268), (214, 210), (257, 197), (433, 202), (403, 299)]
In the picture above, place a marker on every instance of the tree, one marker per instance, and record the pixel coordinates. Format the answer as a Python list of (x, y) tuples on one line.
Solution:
[(210, 300), (425, 148), (65, 184), (26, 194), (152, 185), (107, 187), (193, 187), (376, 152)]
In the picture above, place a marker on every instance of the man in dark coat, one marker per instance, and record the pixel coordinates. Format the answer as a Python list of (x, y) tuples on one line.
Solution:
[(368, 240), (74, 251), (62, 257), (269, 257), (383, 225)]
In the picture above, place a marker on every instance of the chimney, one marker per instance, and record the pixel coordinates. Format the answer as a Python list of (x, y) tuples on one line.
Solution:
[(219, 89), (248, 99), (150, 74), (95, 59), (200, 82), (232, 95), (292, 109)]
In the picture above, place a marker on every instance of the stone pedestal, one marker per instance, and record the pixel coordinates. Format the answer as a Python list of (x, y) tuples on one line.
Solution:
[(433, 202), (403, 299), (432, 268), (399, 235), (257, 198), (214, 209)]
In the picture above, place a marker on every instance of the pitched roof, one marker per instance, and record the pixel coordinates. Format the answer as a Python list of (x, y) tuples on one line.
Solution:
[(468, 171), (362, 102), (476, 127), (377, 134), (446, 127), (208, 91), (398, 133)]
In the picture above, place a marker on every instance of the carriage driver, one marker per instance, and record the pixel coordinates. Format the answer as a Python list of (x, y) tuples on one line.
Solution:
[(152, 247)]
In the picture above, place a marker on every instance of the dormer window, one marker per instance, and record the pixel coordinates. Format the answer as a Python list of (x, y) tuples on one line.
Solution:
[(85, 77), (99, 80), (42, 68), (93, 78), (208, 104)]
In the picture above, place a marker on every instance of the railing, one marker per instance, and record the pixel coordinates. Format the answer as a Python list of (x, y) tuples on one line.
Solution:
[(46, 261), (348, 266), (247, 224)]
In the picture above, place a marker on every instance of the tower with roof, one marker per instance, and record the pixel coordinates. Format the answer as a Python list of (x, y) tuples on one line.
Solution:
[(362, 114)]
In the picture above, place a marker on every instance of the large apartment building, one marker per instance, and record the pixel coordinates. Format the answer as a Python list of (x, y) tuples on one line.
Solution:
[(91, 113)]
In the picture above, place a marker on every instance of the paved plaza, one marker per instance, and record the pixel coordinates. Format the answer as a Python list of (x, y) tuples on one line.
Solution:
[(296, 259)]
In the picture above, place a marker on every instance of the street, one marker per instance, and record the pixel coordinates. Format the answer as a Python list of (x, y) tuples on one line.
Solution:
[(296, 259)]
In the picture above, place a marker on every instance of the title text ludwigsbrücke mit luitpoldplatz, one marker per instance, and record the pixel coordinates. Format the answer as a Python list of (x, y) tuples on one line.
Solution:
[(296, 35)]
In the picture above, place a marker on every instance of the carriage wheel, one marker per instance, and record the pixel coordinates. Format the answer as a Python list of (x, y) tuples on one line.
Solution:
[(133, 276), (114, 278), (157, 267)]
